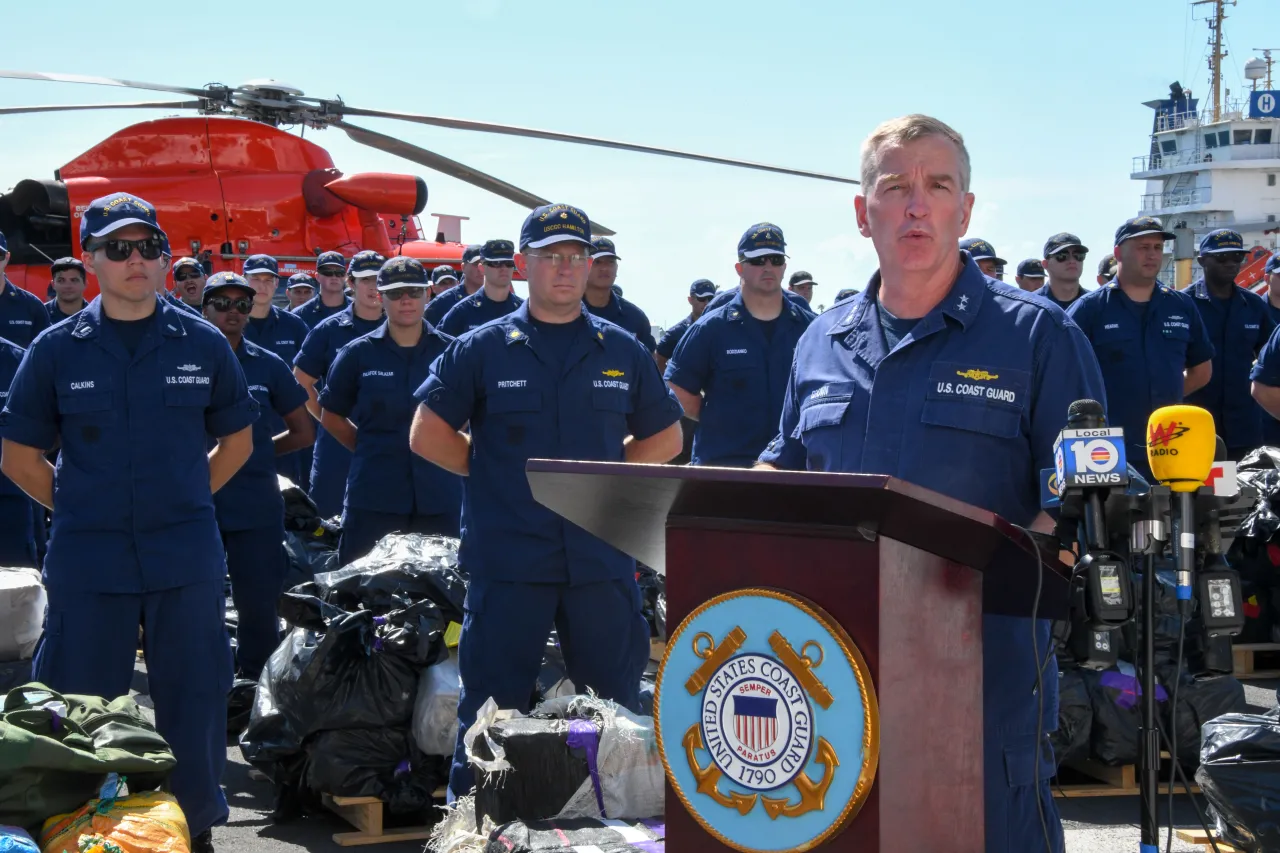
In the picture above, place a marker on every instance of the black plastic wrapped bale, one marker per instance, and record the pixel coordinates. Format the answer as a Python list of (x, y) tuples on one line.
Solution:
[(1261, 523), (300, 512), (546, 836), (382, 763), (1199, 701), (1075, 717), (309, 553), (553, 678), (1239, 775), (545, 770), (1116, 696), (401, 570), (651, 586), (1261, 459)]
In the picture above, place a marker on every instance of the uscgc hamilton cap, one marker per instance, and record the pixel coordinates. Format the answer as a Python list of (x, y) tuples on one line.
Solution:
[(763, 238), (980, 250), (554, 223), (110, 213), (365, 264), (1222, 241), (1141, 226), (402, 272)]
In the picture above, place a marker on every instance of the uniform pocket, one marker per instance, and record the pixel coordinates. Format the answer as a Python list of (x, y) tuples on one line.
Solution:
[(611, 401), (983, 418), (515, 400), (187, 396), (79, 403)]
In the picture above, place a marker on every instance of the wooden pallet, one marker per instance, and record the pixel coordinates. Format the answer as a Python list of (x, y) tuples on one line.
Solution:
[(1112, 781), (1245, 662), (365, 814), (1198, 836)]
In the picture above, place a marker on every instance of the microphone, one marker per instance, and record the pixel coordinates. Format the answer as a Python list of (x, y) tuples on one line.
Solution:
[(1180, 449)]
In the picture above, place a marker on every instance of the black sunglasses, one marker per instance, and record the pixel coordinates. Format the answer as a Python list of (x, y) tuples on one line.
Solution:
[(398, 293), (121, 250), (771, 260), (190, 276), (1226, 257), (703, 299), (1074, 254), (501, 264), (223, 304)]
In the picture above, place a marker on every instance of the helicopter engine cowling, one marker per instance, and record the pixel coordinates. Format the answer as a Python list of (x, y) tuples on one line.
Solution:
[(382, 192)]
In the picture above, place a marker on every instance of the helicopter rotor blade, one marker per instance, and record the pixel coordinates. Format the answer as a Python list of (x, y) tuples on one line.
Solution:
[(102, 81), (531, 133), (137, 105), (452, 168)]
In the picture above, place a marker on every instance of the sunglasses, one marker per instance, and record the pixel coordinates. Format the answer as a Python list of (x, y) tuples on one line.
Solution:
[(702, 299), (510, 265), (190, 276), (1074, 254), (238, 304), (399, 293), (771, 260), (1226, 257), (150, 248)]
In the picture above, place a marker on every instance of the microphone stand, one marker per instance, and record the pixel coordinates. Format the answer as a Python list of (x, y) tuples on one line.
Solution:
[(1148, 539)]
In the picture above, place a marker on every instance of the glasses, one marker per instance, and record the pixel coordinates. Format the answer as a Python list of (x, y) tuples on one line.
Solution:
[(122, 250), (1074, 254), (238, 304), (771, 260), (1226, 257), (191, 276), (399, 293), (560, 260), (702, 299), (507, 265)]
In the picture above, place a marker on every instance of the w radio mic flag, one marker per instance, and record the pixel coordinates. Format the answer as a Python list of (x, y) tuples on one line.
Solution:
[(1180, 445)]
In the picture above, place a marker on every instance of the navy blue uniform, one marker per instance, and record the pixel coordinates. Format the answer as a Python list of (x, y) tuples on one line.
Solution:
[(671, 337), (474, 311), (1271, 426), (529, 391), (250, 511), (724, 297), (390, 488), (55, 312), (330, 461), (282, 333), (968, 403), (440, 305), (22, 315), (730, 358), (627, 314), (1238, 328), (313, 310), (134, 537), (1143, 349), (1047, 293), (17, 518)]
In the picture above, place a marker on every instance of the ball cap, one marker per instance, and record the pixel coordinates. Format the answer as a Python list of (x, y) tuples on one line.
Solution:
[(110, 213), (187, 262), (302, 279), (261, 264), (471, 254), (554, 223), (980, 250), (1273, 264), (1141, 226), (443, 273), (1063, 240), (402, 272), (602, 247), (1108, 266), (703, 288), (763, 238), (800, 277), (498, 250), (365, 264), (220, 281), (1222, 241), (331, 259), (64, 264), (1030, 268)]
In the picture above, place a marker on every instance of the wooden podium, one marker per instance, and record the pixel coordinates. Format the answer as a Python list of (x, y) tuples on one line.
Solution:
[(907, 572)]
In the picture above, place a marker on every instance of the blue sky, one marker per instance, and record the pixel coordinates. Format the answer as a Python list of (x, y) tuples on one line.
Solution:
[(1048, 97)]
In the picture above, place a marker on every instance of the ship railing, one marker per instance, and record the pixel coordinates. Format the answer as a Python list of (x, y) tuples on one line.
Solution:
[(1200, 155), (1232, 110), (1176, 198)]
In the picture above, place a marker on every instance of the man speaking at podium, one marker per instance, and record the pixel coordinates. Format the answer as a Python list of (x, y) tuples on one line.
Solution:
[(943, 377)]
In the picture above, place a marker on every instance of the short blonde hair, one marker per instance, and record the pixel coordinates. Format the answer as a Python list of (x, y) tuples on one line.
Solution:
[(899, 131)]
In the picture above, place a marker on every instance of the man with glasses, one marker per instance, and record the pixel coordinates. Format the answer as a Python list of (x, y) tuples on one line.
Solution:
[(443, 278), (801, 284), (547, 380), (331, 269), (730, 370), (472, 281), (330, 462), (299, 291), (250, 508), (1064, 256), (368, 404), (1148, 338), (130, 390), (68, 290), (495, 299), (188, 282), (984, 255), (1239, 326), (604, 297), (20, 322)]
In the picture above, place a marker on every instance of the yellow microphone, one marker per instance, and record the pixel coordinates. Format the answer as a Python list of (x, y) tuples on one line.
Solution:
[(1180, 445)]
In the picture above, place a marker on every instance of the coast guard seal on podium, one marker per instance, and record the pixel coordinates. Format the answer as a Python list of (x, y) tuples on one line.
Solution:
[(767, 721)]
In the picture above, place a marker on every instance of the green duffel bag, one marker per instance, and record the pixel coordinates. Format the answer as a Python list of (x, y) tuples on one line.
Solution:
[(56, 752)]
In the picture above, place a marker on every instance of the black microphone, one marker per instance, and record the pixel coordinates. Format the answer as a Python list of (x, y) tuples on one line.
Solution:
[(1088, 414)]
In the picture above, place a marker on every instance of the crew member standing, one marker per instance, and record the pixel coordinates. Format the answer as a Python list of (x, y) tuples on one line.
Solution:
[(496, 299), (368, 405), (1064, 256), (877, 389), (331, 461), (68, 289), (1271, 272), (730, 370), (801, 284), (188, 282), (701, 292), (472, 280), (299, 291), (20, 322), (1239, 325), (1148, 338), (1107, 269), (331, 273), (130, 389), (603, 301), (21, 519), (1029, 275), (250, 508), (548, 380), (984, 255), (443, 278)]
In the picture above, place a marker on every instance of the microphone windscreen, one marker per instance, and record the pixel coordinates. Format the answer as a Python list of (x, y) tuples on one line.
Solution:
[(1180, 446)]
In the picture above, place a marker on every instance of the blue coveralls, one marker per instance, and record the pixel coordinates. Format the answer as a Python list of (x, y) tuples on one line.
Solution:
[(56, 314), (742, 376), (1047, 293), (440, 305), (331, 461), (530, 568), (281, 333), (1143, 349), (967, 404), (250, 511), (671, 337), (474, 311), (313, 310), (1271, 426), (17, 522), (22, 315), (724, 297), (390, 488), (134, 538), (172, 299), (1238, 328), (624, 313)]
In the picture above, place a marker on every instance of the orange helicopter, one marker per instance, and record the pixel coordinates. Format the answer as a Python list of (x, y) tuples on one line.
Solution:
[(231, 181)]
